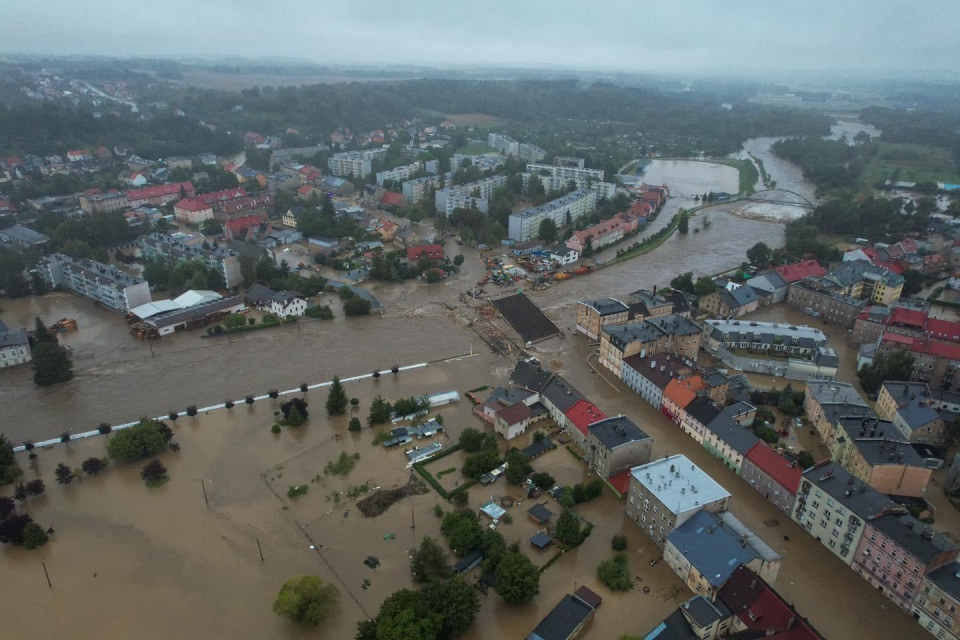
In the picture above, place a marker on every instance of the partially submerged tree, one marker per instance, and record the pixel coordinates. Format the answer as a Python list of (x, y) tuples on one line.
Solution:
[(336, 398), (306, 600), (429, 562), (64, 474)]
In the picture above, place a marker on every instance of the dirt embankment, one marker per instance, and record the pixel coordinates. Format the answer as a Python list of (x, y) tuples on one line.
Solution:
[(381, 499)]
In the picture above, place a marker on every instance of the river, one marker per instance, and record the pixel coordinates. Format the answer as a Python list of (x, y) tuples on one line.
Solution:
[(180, 562)]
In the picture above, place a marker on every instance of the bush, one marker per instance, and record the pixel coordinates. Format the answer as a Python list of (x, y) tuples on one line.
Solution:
[(93, 466), (461, 498), (104, 428), (356, 307), (471, 440), (542, 480), (805, 459), (615, 573), (320, 313), (34, 536), (480, 463), (306, 600), (619, 543), (275, 429), (298, 490), (139, 441), (355, 424), (154, 473), (294, 418)]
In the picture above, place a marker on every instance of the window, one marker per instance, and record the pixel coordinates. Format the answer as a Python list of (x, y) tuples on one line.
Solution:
[(831, 543)]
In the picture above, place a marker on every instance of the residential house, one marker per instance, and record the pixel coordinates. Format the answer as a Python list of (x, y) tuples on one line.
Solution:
[(563, 255), (649, 375), (677, 396), (730, 301), (696, 415), (110, 202), (223, 260), (798, 271), (593, 315), (254, 227), (764, 337), (23, 237), (618, 341), (911, 408), (724, 438), (760, 612), (834, 506), (936, 606), (645, 304), (525, 225), (159, 195), (769, 286), (578, 418), (875, 452), (667, 492), (425, 252), (935, 361), (192, 211), (897, 551), (707, 549), (615, 445), (14, 347), (821, 394), (602, 234), (570, 617), (101, 283), (512, 421), (283, 304), (823, 298), (774, 476)]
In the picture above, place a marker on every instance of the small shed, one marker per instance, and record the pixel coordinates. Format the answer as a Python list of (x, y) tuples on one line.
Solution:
[(468, 562), (540, 514), (493, 510), (540, 541)]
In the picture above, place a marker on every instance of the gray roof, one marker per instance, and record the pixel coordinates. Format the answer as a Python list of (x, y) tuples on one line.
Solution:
[(702, 410), (561, 394), (509, 396), (835, 411), (192, 313), (715, 378), (681, 301), (741, 296), (540, 513), (920, 540), (711, 548), (617, 431), (904, 391), (767, 281), (606, 306), (917, 413), (563, 620), (729, 430), (22, 235), (942, 395), (674, 324), (13, 338), (258, 294), (833, 391), (624, 334), (530, 375), (851, 492), (659, 368), (703, 612), (947, 578), (738, 408)]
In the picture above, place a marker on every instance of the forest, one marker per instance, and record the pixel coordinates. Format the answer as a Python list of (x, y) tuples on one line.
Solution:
[(830, 164)]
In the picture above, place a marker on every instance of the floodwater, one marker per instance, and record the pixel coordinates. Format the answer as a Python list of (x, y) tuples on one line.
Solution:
[(688, 178), (195, 559)]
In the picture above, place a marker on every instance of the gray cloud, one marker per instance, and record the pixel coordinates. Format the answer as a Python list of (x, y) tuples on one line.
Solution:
[(694, 37)]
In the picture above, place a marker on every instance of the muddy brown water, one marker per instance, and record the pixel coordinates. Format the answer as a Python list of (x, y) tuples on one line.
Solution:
[(165, 563)]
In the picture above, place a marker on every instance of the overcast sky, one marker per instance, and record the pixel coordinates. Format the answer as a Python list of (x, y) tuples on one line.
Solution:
[(671, 36)]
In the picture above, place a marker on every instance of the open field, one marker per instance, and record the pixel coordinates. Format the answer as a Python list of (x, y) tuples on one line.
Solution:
[(237, 81), (463, 119), (476, 149), (916, 162)]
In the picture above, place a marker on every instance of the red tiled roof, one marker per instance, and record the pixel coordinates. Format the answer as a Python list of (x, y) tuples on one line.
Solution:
[(239, 224), (909, 317), (429, 251), (889, 265), (154, 191), (191, 204), (391, 198), (683, 392), (583, 414), (943, 329), (224, 195), (925, 346), (759, 607), (786, 473), (797, 272), (307, 188), (621, 481)]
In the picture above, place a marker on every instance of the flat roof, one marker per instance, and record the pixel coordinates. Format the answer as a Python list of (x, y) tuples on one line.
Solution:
[(678, 484), (711, 548)]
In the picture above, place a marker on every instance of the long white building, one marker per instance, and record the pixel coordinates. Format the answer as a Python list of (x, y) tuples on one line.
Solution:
[(354, 164), (100, 282), (525, 225), (483, 162), (399, 174), (509, 146), (465, 195), (417, 190)]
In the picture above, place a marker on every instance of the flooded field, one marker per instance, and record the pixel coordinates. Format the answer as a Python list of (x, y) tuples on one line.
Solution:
[(689, 178)]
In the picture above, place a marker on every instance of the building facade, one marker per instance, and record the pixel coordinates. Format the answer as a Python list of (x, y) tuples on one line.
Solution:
[(525, 225), (100, 282)]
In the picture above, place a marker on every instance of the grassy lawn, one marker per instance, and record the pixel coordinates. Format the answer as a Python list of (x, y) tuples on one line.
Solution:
[(917, 163), (476, 149)]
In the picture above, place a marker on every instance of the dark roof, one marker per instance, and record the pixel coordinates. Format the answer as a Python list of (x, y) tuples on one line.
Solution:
[(681, 302), (563, 621), (514, 414), (729, 430), (530, 375), (760, 608), (703, 612), (664, 367), (882, 451), (702, 410), (606, 306), (673, 627), (588, 597), (540, 540), (715, 378), (258, 294), (193, 313), (468, 562), (947, 578), (617, 431), (849, 491), (540, 513), (562, 394), (920, 540), (834, 411), (13, 338), (674, 324), (510, 395), (537, 447)]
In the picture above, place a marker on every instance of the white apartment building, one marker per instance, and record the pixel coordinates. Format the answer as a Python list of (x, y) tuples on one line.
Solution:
[(354, 164), (417, 190), (462, 195), (503, 144), (399, 174), (100, 282), (224, 260), (569, 161), (484, 162), (559, 176), (525, 225), (530, 152), (14, 347)]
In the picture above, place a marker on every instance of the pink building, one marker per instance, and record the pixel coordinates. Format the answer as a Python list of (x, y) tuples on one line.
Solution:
[(897, 551)]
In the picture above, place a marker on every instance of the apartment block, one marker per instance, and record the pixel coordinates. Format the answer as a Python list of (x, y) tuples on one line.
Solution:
[(109, 202), (936, 606), (399, 174), (593, 315), (463, 196), (354, 164), (415, 191), (223, 260), (504, 144), (100, 282), (525, 225)]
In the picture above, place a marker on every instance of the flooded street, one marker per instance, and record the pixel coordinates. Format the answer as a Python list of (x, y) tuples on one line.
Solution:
[(181, 561)]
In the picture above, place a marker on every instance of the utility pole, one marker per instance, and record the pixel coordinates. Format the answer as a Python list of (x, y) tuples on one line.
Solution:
[(49, 584)]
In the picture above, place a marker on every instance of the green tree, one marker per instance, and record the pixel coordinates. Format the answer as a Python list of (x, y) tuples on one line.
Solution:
[(480, 463), (429, 562), (211, 227), (92, 466), (51, 364), (306, 600), (518, 579), (294, 418), (464, 534), (458, 260), (760, 254), (913, 282), (615, 573), (683, 282), (139, 441), (64, 474), (588, 247), (379, 411), (42, 333), (897, 366), (235, 321), (356, 306), (518, 466), (704, 286), (455, 601), (404, 615), (337, 398), (568, 527), (34, 536), (548, 231), (683, 226), (805, 459), (9, 471), (543, 480), (471, 439)]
